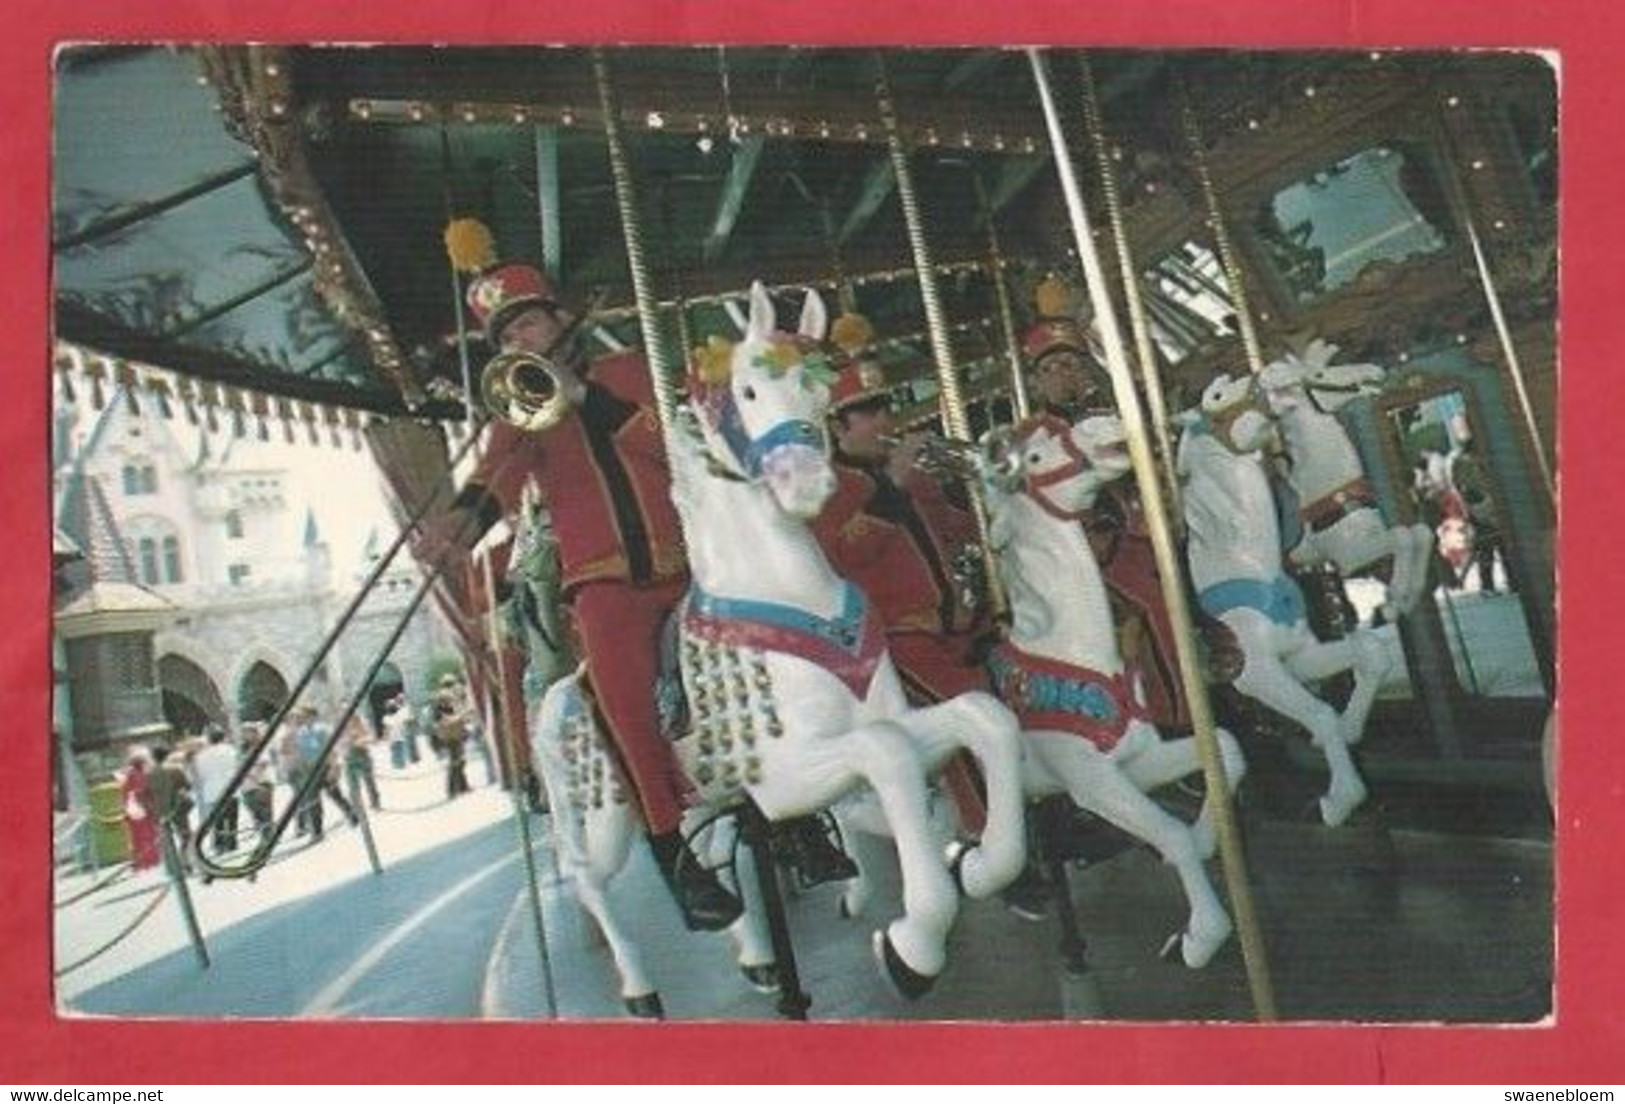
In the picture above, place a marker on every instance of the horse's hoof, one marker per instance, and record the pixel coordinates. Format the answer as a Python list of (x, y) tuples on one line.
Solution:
[(1198, 949), (1193, 952), (645, 1007), (955, 853), (1338, 805), (764, 978), (905, 980)]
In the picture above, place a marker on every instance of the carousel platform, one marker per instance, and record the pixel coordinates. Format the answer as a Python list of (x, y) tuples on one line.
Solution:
[(1368, 923)]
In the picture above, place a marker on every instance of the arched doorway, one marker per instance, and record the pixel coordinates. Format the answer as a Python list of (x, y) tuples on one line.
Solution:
[(261, 692), (191, 701)]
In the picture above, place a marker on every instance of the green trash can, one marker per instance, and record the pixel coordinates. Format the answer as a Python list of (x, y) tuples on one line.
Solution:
[(109, 843)]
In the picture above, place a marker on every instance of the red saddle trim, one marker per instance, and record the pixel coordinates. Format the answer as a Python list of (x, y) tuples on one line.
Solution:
[(1013, 678), (856, 668)]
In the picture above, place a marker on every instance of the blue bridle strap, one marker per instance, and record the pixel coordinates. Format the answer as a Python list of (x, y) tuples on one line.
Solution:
[(750, 452)]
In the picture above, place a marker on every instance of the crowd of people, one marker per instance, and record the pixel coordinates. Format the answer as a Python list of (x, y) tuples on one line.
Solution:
[(178, 787)]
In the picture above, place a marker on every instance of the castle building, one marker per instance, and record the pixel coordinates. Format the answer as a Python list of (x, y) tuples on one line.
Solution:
[(194, 586)]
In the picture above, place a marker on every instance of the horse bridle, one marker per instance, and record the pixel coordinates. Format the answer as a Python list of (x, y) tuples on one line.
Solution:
[(1313, 391), (1077, 463), (1221, 422), (747, 452)]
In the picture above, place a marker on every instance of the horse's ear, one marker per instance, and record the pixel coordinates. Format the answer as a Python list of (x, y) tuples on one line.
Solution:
[(814, 316), (761, 313)]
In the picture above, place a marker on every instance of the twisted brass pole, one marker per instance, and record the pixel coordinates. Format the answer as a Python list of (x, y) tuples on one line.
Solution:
[(655, 349), (1001, 298), (1162, 543), (955, 419), (1221, 234), (1150, 378), (1492, 298)]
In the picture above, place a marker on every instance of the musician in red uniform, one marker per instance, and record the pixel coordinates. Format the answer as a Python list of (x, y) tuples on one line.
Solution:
[(896, 532), (603, 475)]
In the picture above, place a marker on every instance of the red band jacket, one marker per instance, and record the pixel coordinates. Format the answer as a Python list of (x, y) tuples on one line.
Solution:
[(898, 545), (603, 476)]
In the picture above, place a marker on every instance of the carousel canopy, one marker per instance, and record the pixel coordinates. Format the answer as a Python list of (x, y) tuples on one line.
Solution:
[(271, 218)]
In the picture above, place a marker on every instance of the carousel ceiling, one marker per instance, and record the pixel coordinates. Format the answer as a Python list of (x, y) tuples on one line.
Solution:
[(272, 218)]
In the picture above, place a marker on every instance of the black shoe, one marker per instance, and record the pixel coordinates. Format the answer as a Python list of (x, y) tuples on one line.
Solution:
[(1029, 895), (813, 855)]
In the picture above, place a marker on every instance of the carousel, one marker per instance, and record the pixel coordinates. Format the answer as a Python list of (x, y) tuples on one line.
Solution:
[(933, 534)]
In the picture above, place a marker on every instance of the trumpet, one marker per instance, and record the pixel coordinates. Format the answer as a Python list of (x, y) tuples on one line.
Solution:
[(526, 389), (994, 457)]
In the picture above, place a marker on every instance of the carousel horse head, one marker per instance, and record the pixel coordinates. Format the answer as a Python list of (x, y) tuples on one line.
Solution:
[(1235, 413), (1063, 467), (1311, 377), (760, 404)]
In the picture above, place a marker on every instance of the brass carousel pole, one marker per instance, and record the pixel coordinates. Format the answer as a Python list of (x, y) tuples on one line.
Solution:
[(754, 826), (660, 369), (1221, 235), (955, 420), (1493, 298), (1162, 542), (1001, 297), (512, 728), (1143, 347)]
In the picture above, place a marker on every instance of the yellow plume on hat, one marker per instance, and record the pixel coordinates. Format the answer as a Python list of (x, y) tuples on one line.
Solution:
[(852, 333), (1052, 297), (469, 245)]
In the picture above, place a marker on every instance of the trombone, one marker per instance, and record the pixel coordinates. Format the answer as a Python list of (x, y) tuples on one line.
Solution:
[(534, 391), (994, 457)]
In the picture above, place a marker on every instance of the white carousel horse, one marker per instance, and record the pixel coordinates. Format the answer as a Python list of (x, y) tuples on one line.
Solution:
[(594, 829), (793, 699), (1061, 671), (1336, 503), (1234, 552)]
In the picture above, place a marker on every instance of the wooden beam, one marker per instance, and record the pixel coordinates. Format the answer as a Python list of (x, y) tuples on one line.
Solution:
[(878, 184), (547, 201), (746, 156), (402, 87)]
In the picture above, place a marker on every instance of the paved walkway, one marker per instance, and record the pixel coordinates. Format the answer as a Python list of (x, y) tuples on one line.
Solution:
[(415, 819), (1363, 923)]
